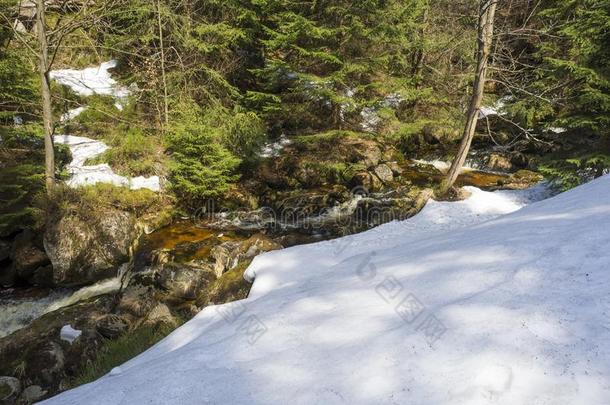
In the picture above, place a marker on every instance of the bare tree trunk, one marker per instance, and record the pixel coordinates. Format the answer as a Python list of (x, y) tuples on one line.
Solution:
[(487, 11), (47, 115), (165, 102)]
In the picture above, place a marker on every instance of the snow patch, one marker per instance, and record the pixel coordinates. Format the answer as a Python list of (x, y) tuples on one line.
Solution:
[(92, 80), (275, 148), (82, 149), (69, 334)]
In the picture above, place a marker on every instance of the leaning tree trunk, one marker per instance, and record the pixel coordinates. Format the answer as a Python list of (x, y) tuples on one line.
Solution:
[(487, 11), (47, 115)]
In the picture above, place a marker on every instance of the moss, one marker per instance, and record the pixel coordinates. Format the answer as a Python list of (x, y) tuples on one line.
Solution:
[(95, 198), (231, 286), (329, 136), (113, 353), (4, 390)]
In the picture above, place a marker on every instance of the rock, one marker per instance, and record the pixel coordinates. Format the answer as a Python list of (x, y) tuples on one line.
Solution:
[(26, 256), (37, 354), (85, 250), (395, 167), (10, 388), (229, 254), (384, 173), (182, 282), (8, 276), (136, 300), (368, 153), (161, 314), (498, 161), (47, 362), (223, 257), (5, 250), (31, 394), (112, 326), (367, 181)]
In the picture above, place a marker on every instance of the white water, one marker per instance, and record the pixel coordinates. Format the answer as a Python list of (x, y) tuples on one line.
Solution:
[(18, 313)]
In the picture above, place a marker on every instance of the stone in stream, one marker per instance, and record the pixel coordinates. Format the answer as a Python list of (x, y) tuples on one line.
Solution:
[(84, 250)]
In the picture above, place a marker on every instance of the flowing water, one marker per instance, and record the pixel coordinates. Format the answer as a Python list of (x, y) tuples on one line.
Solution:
[(193, 240)]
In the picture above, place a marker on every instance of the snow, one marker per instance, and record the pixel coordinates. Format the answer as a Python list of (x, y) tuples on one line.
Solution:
[(496, 109), (82, 149), (442, 165), (484, 301), (91, 80), (275, 148), (69, 334)]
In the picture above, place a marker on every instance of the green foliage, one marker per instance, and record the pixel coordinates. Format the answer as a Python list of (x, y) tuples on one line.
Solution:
[(22, 177), (572, 172), (94, 198), (132, 153), (571, 69), (201, 166), (113, 353)]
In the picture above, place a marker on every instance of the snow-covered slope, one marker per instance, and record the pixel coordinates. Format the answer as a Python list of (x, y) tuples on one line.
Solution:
[(514, 310)]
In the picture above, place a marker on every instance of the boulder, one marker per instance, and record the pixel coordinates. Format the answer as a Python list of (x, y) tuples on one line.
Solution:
[(223, 256), (10, 388), (498, 161), (181, 282), (85, 250), (136, 300), (229, 254), (112, 326), (161, 315), (31, 394), (384, 173), (26, 256)]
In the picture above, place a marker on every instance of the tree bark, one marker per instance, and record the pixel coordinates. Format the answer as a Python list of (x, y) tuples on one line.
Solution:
[(45, 92), (161, 44), (487, 11)]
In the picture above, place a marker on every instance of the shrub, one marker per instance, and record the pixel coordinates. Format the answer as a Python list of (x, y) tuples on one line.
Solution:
[(202, 167)]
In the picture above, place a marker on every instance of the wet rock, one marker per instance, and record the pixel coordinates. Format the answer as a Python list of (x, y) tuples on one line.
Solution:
[(31, 394), (384, 173), (112, 326), (366, 181), (5, 250), (27, 256), (10, 388), (45, 364), (229, 254), (498, 161), (85, 250), (180, 282), (161, 314), (223, 256), (137, 300), (395, 167)]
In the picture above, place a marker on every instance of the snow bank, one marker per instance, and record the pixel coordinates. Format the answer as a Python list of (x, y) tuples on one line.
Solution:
[(446, 308), (92, 80), (83, 149)]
